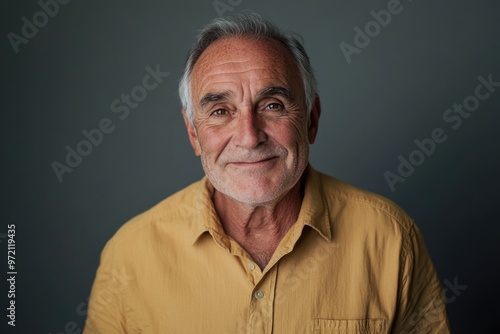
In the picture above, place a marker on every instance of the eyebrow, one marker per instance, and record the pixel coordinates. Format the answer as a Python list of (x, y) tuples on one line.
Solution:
[(277, 90), (267, 91), (214, 97)]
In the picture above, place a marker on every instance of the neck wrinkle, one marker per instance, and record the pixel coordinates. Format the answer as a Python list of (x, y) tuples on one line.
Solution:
[(268, 223)]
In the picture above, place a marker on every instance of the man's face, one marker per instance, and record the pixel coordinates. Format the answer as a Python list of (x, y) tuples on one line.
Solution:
[(250, 124)]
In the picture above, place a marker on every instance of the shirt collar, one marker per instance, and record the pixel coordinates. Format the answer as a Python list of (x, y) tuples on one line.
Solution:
[(314, 210)]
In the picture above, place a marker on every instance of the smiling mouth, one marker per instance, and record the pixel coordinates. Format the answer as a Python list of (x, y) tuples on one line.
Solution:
[(253, 163)]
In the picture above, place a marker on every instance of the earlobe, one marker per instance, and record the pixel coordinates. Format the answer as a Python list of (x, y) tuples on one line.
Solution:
[(193, 137), (314, 119)]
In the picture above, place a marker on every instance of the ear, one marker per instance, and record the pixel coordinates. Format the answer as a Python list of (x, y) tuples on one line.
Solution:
[(314, 119), (193, 137)]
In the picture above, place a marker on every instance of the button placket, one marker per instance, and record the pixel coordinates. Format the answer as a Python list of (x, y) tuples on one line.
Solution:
[(261, 315)]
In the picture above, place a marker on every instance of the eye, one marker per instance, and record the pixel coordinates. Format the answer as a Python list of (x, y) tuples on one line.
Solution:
[(220, 112), (274, 106)]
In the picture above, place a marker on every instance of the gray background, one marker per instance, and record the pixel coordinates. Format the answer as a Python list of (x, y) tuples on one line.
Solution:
[(394, 91)]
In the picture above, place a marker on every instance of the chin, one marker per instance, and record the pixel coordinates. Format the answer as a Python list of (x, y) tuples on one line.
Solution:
[(254, 199), (254, 188), (253, 193)]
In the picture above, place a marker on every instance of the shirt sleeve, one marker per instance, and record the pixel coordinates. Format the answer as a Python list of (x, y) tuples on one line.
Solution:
[(106, 312), (421, 302)]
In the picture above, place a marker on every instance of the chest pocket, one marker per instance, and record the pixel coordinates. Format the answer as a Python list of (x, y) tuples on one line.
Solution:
[(360, 326)]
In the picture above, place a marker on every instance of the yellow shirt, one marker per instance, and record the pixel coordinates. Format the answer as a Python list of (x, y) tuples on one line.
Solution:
[(352, 263)]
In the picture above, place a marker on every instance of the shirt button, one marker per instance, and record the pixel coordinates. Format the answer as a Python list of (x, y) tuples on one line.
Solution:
[(259, 294), (251, 266)]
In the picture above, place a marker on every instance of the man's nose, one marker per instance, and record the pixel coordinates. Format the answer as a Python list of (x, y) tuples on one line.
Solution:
[(249, 130)]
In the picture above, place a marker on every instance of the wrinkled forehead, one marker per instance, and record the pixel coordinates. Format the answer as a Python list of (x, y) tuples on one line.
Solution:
[(263, 59)]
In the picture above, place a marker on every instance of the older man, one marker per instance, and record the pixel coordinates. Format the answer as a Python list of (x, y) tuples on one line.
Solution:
[(264, 243)]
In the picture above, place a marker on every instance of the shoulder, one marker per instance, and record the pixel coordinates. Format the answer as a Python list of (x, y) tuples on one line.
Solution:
[(362, 206), (173, 212)]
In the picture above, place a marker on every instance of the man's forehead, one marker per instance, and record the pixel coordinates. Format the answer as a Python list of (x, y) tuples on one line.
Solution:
[(235, 60), (235, 51)]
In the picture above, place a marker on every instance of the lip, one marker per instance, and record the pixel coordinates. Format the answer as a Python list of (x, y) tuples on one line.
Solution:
[(253, 163)]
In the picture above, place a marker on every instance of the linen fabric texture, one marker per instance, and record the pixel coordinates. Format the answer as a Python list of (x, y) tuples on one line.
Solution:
[(353, 262)]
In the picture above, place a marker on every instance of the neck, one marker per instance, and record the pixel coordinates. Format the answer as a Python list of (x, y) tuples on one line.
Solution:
[(259, 228)]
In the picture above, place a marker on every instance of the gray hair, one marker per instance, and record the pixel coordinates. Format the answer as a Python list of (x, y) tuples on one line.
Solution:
[(246, 24)]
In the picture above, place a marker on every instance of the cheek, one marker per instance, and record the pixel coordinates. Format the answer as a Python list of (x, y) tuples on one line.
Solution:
[(291, 133), (212, 141)]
